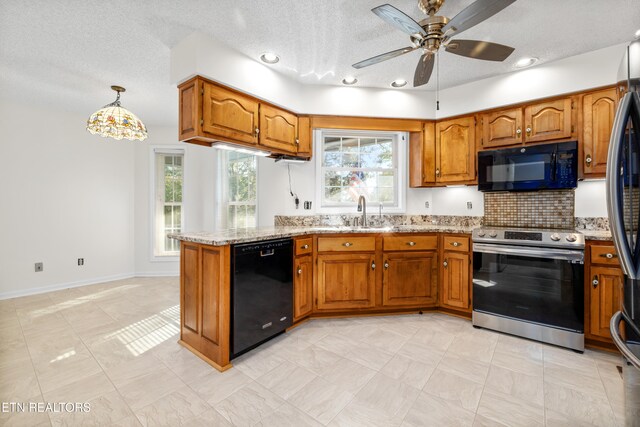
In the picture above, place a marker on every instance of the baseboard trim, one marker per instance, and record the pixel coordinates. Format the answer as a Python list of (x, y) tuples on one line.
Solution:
[(157, 274), (67, 285)]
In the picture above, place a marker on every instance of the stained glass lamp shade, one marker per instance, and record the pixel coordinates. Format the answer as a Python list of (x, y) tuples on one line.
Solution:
[(114, 121)]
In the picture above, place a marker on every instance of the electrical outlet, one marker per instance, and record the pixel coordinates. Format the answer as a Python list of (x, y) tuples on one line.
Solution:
[(426, 205), (80, 261), (39, 267), (469, 205)]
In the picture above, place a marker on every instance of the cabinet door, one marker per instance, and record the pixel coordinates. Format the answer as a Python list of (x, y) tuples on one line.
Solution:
[(278, 129), (502, 128), (422, 157), (455, 280), (410, 278), (228, 115), (599, 110), (346, 281), (305, 137), (456, 150), (605, 290), (548, 120), (302, 287)]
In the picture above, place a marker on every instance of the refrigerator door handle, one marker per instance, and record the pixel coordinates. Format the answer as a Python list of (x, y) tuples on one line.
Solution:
[(614, 182), (614, 328)]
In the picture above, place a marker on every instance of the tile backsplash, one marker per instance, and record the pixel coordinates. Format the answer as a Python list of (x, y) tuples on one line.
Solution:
[(538, 209)]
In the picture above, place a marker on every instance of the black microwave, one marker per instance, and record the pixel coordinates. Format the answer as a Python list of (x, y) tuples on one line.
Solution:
[(538, 167)]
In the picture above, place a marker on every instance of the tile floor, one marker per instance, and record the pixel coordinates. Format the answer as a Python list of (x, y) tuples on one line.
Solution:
[(114, 345)]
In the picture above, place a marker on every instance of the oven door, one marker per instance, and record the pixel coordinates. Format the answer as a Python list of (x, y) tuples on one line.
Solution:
[(530, 168), (539, 285)]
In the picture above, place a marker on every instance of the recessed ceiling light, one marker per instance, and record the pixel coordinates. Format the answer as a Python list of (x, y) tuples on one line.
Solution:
[(526, 62), (398, 83), (349, 80), (269, 58), (638, 34)]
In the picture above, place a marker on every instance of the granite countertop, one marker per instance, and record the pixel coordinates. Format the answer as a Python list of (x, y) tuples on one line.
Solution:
[(595, 234), (244, 235)]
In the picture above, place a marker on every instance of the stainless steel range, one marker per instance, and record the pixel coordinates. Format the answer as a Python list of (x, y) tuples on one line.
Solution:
[(530, 283)]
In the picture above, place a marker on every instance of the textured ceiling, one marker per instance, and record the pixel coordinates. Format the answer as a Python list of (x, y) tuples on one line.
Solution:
[(67, 52)]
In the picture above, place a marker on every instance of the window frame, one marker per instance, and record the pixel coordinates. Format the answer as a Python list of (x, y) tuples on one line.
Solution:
[(222, 190), (400, 164), (153, 186)]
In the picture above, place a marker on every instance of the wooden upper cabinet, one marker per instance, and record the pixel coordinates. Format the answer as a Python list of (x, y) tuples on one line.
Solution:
[(547, 121), (605, 292), (410, 279), (305, 137), (422, 156), (598, 113), (229, 115), (345, 281), (278, 129), (501, 128), (456, 150)]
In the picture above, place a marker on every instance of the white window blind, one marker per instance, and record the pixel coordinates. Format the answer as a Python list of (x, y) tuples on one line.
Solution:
[(238, 198), (168, 197)]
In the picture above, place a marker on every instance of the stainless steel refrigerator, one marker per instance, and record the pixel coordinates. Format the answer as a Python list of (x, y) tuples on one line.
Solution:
[(623, 205)]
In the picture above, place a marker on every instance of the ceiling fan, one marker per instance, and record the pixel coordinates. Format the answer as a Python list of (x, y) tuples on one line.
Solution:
[(435, 31)]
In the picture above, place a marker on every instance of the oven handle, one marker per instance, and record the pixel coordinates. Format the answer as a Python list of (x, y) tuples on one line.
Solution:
[(526, 251), (614, 328)]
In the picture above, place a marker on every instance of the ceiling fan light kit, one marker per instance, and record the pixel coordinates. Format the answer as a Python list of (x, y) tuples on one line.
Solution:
[(435, 31), (115, 121)]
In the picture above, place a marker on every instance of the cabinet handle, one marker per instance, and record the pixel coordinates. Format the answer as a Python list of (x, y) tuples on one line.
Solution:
[(347, 244), (297, 141), (518, 131), (386, 265), (373, 265), (445, 263), (305, 246), (438, 173), (257, 132), (609, 256), (455, 244), (528, 130), (588, 160), (299, 270), (595, 282), (411, 243)]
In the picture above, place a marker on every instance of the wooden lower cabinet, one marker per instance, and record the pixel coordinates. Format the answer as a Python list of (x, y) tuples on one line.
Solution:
[(456, 271), (302, 287), (345, 281), (410, 279)]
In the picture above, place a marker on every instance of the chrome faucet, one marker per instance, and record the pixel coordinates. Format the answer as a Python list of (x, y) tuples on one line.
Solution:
[(362, 207)]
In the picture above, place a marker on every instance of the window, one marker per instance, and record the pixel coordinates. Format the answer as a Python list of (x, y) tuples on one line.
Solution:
[(355, 163), (168, 190), (239, 188)]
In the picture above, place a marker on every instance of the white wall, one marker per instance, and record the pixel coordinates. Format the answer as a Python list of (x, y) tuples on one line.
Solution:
[(67, 194)]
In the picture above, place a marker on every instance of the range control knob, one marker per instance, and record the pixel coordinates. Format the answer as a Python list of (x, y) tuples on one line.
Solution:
[(481, 233), (493, 234), (555, 237), (571, 238)]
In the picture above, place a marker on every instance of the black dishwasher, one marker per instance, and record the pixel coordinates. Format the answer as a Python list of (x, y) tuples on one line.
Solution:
[(262, 292)]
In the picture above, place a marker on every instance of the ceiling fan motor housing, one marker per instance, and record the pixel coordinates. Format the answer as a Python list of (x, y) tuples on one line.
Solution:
[(433, 27)]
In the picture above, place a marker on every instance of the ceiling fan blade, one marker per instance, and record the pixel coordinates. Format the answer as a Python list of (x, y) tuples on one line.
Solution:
[(398, 19), (383, 57), (479, 50), (474, 14), (423, 70)]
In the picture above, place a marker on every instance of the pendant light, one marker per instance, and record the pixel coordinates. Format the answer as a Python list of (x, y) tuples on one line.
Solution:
[(114, 121)]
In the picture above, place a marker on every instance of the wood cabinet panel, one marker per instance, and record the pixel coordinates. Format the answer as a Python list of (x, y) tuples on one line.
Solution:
[(190, 288), (345, 281), (605, 291), (302, 287), (604, 254), (410, 279), (211, 261), (456, 150), (188, 115), (501, 128), (598, 112), (229, 115), (410, 242), (456, 243), (547, 121), (422, 156), (455, 280), (305, 137), (346, 244), (278, 129)]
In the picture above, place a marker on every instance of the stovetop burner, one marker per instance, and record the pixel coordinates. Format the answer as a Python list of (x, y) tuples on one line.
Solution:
[(554, 238)]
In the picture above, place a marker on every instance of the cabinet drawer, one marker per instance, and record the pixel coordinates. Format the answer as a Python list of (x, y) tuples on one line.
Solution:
[(304, 246), (604, 255), (346, 244), (456, 243), (410, 243)]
